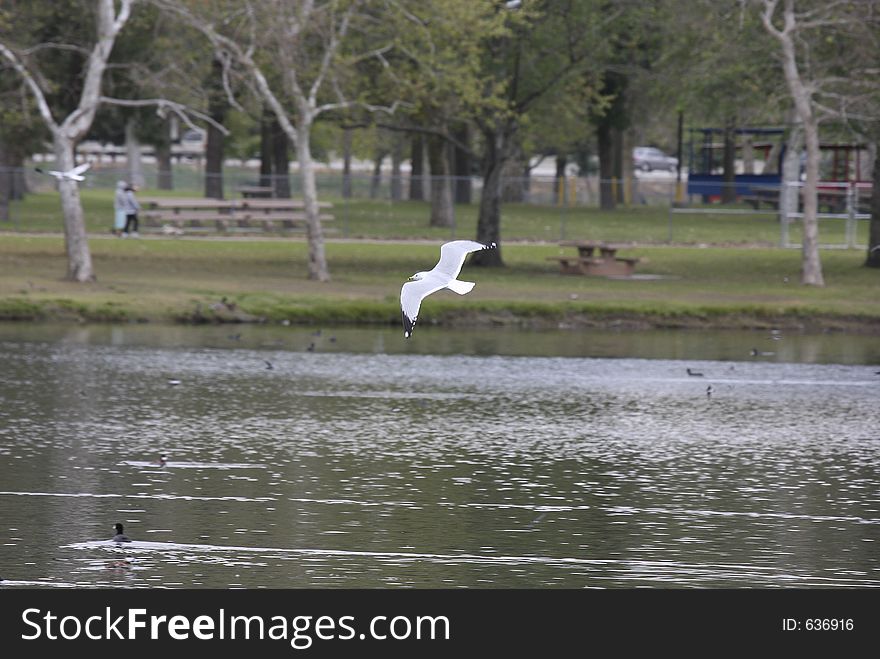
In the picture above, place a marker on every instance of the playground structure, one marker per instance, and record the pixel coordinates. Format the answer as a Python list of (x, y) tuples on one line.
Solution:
[(843, 168)]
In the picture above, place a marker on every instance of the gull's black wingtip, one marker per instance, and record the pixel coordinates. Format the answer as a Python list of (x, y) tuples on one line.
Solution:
[(407, 326)]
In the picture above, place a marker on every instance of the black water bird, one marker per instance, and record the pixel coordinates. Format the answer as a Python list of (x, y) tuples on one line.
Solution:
[(120, 535), (269, 366), (694, 373), (709, 391)]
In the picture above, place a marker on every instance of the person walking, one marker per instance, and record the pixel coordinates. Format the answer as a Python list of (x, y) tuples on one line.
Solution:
[(131, 212), (119, 208)]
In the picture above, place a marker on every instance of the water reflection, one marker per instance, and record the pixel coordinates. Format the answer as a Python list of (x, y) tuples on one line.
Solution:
[(592, 462)]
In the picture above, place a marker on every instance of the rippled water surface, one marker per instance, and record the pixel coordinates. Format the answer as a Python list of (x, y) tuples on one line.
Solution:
[(351, 458)]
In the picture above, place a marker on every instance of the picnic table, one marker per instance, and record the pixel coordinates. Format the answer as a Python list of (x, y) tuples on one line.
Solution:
[(255, 190), (595, 258), (203, 213)]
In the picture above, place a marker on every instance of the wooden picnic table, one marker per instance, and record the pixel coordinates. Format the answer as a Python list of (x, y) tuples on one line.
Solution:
[(248, 191), (228, 214), (595, 258)]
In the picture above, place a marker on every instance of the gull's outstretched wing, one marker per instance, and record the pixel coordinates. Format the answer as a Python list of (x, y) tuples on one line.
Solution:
[(411, 295), (79, 169), (452, 256)]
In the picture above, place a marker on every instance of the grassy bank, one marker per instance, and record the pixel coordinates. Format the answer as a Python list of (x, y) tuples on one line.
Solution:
[(381, 219), (188, 280)]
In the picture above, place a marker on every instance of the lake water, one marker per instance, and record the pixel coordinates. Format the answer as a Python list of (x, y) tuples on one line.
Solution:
[(354, 458)]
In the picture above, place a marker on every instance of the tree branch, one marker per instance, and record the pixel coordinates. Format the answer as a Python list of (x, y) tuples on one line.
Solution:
[(30, 81), (163, 104)]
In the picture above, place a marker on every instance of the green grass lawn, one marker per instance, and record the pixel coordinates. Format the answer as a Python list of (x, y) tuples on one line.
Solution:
[(382, 219), (184, 279)]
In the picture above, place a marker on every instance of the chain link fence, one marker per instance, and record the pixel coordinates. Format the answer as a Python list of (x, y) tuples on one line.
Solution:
[(652, 207)]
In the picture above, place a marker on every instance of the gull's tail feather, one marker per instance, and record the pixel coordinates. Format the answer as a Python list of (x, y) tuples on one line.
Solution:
[(460, 287)]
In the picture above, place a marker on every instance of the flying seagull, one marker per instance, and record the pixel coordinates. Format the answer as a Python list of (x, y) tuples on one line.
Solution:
[(444, 274), (74, 174)]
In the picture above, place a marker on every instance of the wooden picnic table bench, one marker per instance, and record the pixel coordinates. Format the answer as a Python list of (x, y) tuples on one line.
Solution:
[(595, 258), (249, 191), (226, 215)]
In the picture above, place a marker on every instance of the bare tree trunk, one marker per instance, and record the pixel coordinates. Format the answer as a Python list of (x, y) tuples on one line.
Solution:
[(134, 161), (346, 163), (417, 170), (376, 179), (560, 186), (317, 257), (607, 199), (5, 183), (441, 190), (748, 155), (617, 160), (791, 173), (165, 178), (280, 162), (811, 265), (215, 144), (267, 121), (396, 163), (489, 218), (79, 258), (462, 167)]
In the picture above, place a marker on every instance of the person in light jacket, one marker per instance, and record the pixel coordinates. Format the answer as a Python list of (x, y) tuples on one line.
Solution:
[(131, 212), (119, 208)]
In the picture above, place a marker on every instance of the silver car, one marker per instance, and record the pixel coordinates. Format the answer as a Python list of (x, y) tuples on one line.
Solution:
[(649, 158)]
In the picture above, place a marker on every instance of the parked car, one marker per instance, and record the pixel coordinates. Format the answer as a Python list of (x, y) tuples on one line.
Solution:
[(649, 158)]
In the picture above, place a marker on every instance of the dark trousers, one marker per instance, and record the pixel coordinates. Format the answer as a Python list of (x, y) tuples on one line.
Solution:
[(131, 221)]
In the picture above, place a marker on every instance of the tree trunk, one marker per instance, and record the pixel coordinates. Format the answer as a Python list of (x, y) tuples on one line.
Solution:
[(280, 162), (79, 258), (462, 167), (442, 214), (728, 187), (165, 179), (489, 217), (214, 146), (376, 179), (617, 135), (873, 260), (790, 189), (417, 171), (267, 121), (317, 257), (133, 157), (346, 163), (5, 184), (560, 181), (607, 200), (811, 265), (748, 155), (396, 163)]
